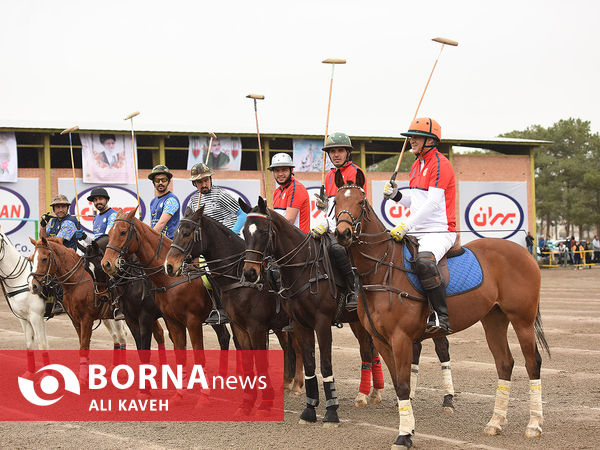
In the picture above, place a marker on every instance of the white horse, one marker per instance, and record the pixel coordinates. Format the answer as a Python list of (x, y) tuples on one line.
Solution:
[(27, 307)]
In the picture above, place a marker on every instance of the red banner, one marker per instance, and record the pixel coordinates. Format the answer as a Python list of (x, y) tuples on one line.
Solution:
[(121, 385)]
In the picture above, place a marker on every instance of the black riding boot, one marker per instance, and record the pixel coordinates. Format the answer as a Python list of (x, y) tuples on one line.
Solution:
[(342, 263), (217, 316), (429, 275)]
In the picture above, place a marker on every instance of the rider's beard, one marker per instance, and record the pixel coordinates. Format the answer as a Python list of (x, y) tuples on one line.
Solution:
[(204, 189), (284, 182), (101, 207)]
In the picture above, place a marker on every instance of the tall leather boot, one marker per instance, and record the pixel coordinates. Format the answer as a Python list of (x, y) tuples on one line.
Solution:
[(217, 316), (342, 263), (438, 321)]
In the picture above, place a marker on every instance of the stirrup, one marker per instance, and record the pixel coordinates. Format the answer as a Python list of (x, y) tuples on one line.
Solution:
[(289, 328), (351, 301), (435, 326), (117, 314), (217, 317)]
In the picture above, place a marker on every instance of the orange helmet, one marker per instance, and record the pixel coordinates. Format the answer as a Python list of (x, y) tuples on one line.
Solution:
[(426, 127)]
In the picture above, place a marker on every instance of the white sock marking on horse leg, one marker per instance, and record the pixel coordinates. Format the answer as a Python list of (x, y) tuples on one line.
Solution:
[(447, 378), (536, 416), (414, 379), (407, 419)]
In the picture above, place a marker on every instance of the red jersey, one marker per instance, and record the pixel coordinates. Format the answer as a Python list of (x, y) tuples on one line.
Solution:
[(435, 171), (348, 170), (293, 195)]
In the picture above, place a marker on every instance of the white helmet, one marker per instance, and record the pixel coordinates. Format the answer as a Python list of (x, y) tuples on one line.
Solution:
[(281, 160)]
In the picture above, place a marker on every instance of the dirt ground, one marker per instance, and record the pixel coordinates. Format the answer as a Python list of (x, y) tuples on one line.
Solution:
[(570, 308)]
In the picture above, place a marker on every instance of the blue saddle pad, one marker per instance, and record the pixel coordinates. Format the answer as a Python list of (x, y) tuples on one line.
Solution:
[(465, 273)]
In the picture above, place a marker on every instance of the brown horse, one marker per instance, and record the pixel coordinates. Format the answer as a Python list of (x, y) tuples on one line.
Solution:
[(309, 299), (184, 302), (53, 263), (509, 293), (252, 312)]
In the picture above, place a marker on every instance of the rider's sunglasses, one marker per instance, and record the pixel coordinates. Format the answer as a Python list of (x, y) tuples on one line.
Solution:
[(161, 180)]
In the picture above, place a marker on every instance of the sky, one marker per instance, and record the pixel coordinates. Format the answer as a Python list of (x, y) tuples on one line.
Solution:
[(188, 65)]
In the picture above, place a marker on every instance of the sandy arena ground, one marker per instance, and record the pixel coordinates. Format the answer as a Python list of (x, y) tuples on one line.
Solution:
[(571, 392)]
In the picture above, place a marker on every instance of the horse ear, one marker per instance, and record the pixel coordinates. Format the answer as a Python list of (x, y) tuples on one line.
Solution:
[(339, 179), (188, 212), (131, 214), (44, 241), (245, 206), (33, 241), (360, 178), (262, 204)]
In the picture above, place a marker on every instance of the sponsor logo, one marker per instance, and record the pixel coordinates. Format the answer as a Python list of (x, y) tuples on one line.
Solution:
[(495, 211), (120, 197), (12, 206), (234, 193), (49, 385), (315, 213), (392, 212)]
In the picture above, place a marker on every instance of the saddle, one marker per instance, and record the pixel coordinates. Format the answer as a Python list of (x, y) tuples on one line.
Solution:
[(412, 244)]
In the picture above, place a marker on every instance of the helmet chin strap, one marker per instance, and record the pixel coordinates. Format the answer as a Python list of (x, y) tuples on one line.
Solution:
[(426, 149)]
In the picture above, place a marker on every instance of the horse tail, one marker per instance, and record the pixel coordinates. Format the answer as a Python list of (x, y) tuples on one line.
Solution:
[(539, 333)]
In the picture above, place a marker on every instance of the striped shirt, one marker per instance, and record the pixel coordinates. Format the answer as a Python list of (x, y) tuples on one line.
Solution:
[(218, 205)]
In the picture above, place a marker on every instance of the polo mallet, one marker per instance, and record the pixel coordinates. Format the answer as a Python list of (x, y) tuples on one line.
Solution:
[(444, 42), (71, 130), (262, 170), (212, 136), (135, 167), (333, 62)]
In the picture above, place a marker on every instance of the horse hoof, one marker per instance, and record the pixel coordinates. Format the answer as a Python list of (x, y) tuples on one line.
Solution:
[(403, 442), (331, 424), (309, 415), (296, 392), (448, 410), (492, 430), (375, 396), (360, 401), (533, 432)]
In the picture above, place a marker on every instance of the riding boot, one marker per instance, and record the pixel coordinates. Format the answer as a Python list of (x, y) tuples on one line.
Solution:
[(289, 327), (217, 316), (438, 320), (342, 263), (48, 312), (57, 308)]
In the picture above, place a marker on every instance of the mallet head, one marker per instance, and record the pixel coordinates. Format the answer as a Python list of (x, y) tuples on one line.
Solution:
[(442, 40), (132, 115), (334, 61), (69, 130), (256, 96), (212, 135)]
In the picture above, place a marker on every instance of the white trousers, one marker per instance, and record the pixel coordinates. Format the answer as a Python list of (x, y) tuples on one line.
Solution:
[(436, 243)]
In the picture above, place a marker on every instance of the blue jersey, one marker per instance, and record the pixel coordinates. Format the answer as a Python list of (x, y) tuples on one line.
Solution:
[(169, 204), (103, 222), (66, 229)]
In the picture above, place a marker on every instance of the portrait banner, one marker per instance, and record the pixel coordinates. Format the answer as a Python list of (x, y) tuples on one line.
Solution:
[(107, 158), (8, 158), (225, 153), (308, 156)]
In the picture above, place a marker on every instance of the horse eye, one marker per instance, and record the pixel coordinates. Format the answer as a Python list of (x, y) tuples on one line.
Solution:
[(44, 259), (122, 233), (186, 233)]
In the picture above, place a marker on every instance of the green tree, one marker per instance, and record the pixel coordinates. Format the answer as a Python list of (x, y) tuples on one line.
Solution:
[(567, 173)]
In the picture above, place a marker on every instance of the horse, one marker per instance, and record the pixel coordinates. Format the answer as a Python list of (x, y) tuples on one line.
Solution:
[(308, 299), (252, 312), (53, 263), (137, 300), (184, 303), (27, 307), (509, 293)]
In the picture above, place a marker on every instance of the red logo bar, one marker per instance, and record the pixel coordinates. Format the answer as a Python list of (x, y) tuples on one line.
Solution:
[(210, 385)]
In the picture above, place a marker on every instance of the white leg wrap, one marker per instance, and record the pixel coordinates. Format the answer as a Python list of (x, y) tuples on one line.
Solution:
[(414, 379), (447, 378), (407, 419), (536, 416), (494, 426)]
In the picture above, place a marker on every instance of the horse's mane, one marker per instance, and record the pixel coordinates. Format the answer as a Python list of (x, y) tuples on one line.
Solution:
[(64, 252)]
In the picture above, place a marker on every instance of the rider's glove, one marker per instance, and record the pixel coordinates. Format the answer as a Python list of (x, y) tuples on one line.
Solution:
[(390, 190), (321, 203), (80, 235), (399, 231), (318, 231), (45, 219)]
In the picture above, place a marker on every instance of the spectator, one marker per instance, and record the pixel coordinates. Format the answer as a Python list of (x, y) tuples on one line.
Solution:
[(563, 254), (596, 248), (529, 240), (541, 242), (571, 244)]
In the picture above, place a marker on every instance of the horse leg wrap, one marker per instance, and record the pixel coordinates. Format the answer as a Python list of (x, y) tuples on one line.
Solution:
[(30, 361), (494, 426), (447, 378), (365, 378), (536, 416), (331, 399), (414, 379), (377, 373), (312, 391), (407, 419)]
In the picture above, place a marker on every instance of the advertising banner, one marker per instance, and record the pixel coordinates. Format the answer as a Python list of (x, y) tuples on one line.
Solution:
[(389, 212), (19, 212), (211, 385), (8, 157), (124, 196), (493, 209)]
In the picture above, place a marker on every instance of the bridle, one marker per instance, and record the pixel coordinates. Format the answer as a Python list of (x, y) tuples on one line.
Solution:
[(196, 238), (264, 254), (19, 268), (44, 279), (130, 234), (354, 222)]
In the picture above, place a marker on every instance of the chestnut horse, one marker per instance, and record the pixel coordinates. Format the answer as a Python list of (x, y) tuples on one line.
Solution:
[(252, 312), (509, 293), (309, 300), (184, 302), (53, 263)]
